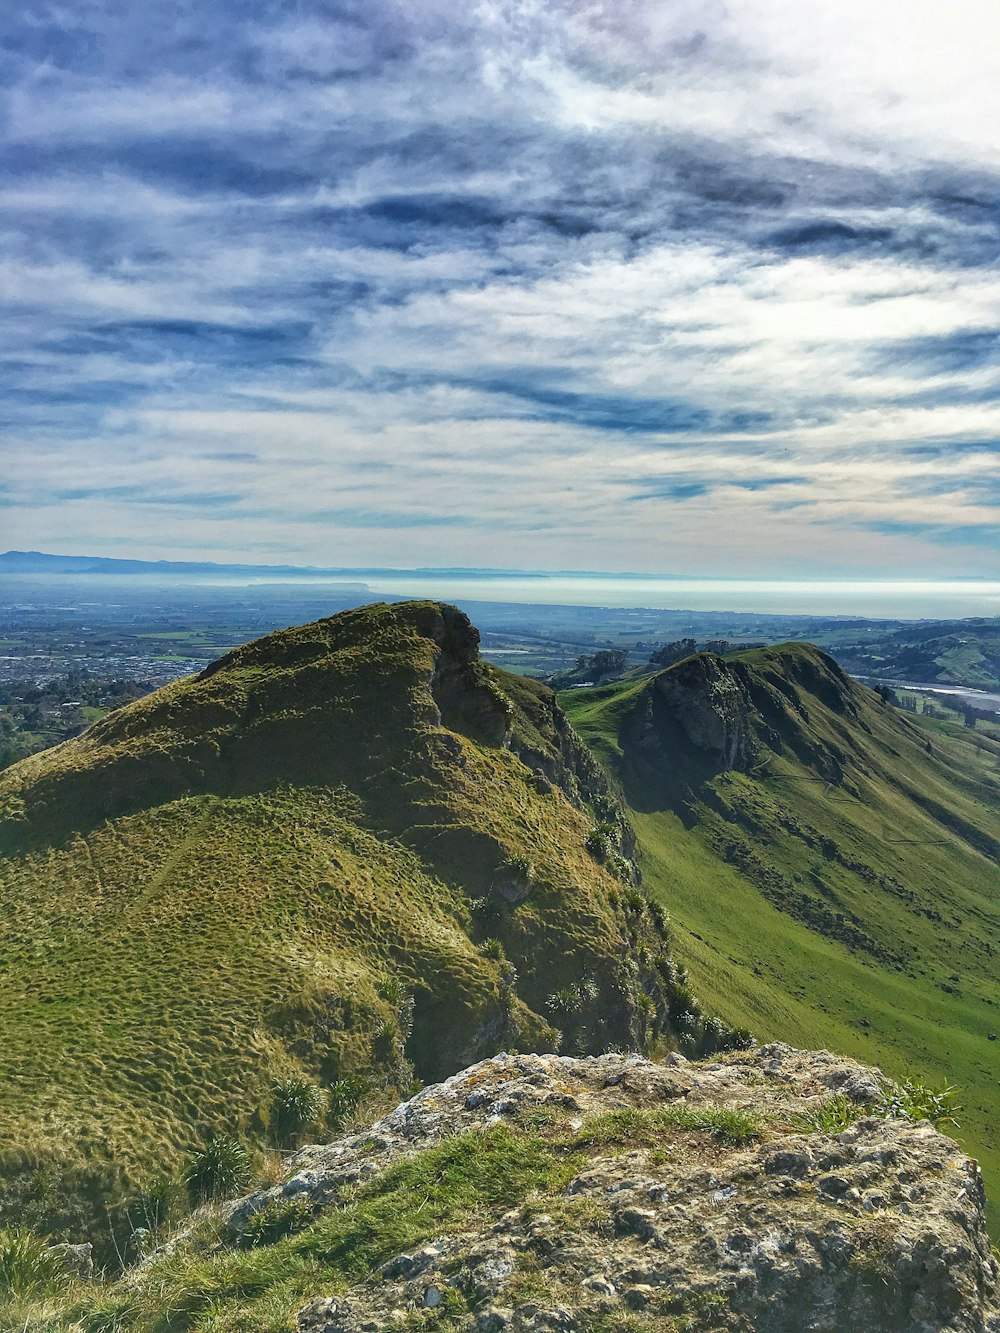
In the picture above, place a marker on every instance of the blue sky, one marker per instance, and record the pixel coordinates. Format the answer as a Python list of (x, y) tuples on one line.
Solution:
[(671, 288)]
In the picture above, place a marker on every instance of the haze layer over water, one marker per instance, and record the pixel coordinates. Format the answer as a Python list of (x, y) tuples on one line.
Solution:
[(917, 600)]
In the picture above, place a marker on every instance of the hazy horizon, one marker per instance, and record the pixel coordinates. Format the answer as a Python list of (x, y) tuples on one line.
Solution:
[(897, 599)]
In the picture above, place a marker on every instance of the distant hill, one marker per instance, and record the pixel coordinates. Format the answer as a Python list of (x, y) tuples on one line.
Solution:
[(831, 865), (39, 562), (937, 652), (346, 851)]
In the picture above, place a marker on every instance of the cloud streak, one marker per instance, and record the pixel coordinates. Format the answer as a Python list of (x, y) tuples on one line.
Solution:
[(687, 288)]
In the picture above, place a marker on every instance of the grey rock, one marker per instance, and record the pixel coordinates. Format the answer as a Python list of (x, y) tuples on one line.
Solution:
[(75, 1259), (789, 1162), (599, 1285), (318, 1315), (493, 1321), (879, 1227)]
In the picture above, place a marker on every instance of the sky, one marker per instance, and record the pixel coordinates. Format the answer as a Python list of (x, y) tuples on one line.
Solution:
[(628, 285)]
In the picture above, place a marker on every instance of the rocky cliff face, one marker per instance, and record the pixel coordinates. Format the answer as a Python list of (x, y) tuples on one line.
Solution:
[(707, 702), (691, 1196), (707, 716)]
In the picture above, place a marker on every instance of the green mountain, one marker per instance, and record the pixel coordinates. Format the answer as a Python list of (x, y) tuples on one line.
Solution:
[(831, 865), (349, 850)]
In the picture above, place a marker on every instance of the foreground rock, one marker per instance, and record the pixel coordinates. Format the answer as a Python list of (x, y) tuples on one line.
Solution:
[(682, 1219)]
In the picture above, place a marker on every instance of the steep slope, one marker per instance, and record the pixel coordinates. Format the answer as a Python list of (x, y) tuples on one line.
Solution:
[(339, 850), (832, 867)]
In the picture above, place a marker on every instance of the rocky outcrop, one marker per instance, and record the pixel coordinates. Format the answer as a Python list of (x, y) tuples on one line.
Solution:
[(712, 710), (708, 715), (697, 1196), (691, 722), (468, 700)]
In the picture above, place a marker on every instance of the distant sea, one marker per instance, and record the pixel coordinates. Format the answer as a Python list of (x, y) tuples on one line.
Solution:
[(891, 599)]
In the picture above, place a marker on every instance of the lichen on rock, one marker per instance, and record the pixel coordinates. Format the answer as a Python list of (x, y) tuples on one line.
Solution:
[(695, 1195)]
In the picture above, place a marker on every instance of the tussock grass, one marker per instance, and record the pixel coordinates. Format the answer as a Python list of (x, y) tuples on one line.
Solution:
[(281, 871), (909, 1100)]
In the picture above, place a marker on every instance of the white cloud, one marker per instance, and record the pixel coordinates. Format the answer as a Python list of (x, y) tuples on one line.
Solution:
[(604, 284)]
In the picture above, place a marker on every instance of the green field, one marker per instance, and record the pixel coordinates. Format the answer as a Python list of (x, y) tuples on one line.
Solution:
[(860, 913)]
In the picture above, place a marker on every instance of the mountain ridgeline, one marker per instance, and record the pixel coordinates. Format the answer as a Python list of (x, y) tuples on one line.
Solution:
[(831, 864), (347, 851)]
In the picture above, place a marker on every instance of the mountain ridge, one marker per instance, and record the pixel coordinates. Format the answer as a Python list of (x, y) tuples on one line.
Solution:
[(347, 850), (832, 877)]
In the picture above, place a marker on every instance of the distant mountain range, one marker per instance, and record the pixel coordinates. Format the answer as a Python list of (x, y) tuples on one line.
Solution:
[(40, 562)]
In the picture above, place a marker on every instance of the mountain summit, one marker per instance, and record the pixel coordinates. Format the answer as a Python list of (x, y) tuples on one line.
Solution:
[(347, 850)]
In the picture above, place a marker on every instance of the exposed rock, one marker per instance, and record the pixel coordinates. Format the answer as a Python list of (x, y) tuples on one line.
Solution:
[(75, 1259), (468, 700), (879, 1227), (705, 698), (692, 721)]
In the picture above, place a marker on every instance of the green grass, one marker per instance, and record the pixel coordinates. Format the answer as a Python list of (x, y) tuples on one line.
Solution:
[(862, 916), (647, 1127), (258, 1287), (281, 870), (450, 1187)]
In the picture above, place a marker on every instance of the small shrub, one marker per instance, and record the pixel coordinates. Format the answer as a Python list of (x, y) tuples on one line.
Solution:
[(566, 1002), (740, 1039), (386, 1031), (343, 1097), (602, 841), (903, 1101), (398, 994), (620, 867), (296, 1105), (492, 949), (220, 1170), (714, 1036), (275, 1221), (689, 1031), (719, 1036), (27, 1265), (683, 1003), (832, 1117), (911, 1100), (659, 916), (519, 867)]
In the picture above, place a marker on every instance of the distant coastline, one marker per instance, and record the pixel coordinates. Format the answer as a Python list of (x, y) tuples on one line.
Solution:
[(882, 598)]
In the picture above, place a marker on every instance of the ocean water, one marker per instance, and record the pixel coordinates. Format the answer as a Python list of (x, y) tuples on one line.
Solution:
[(893, 599)]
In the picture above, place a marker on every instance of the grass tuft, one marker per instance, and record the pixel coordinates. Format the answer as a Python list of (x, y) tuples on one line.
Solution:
[(219, 1171), (731, 1126)]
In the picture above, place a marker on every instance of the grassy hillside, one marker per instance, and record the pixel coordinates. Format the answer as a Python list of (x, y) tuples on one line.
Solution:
[(831, 866), (341, 852)]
